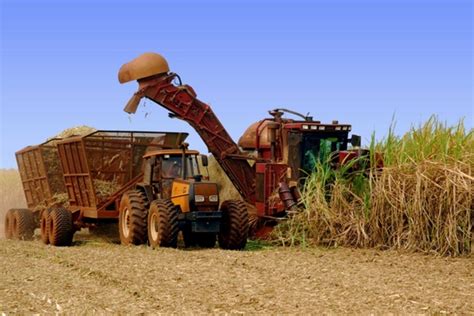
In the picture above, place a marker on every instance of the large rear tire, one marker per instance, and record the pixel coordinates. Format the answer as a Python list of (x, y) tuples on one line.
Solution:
[(60, 227), (8, 224), (163, 224), (133, 218), (235, 225), (44, 226)]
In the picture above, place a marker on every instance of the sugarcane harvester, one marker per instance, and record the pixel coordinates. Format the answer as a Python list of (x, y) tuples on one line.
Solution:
[(267, 181)]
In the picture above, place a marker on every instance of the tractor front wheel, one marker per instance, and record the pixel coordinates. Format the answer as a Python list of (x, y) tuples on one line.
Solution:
[(235, 225), (133, 218), (163, 224)]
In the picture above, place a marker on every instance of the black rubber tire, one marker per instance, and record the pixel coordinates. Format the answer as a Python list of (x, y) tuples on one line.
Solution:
[(206, 240), (133, 218), (8, 224), (25, 224), (44, 226), (235, 225), (163, 225), (60, 228)]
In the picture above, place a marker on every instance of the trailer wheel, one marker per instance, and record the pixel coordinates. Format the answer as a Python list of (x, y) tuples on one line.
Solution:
[(206, 240), (23, 224), (44, 226), (163, 224), (235, 225), (60, 227), (8, 224), (133, 218)]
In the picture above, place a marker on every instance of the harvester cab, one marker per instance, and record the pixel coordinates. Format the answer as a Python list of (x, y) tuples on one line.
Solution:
[(300, 144), (175, 198)]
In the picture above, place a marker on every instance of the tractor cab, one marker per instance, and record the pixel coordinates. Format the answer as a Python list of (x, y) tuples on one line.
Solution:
[(175, 174)]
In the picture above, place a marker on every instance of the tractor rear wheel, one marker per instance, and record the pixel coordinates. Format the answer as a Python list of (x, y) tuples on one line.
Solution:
[(235, 225), (8, 224), (163, 224), (133, 218), (60, 227), (22, 224), (44, 226)]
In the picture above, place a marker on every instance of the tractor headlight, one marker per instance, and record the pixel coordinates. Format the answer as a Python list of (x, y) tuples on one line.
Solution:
[(213, 198), (199, 198)]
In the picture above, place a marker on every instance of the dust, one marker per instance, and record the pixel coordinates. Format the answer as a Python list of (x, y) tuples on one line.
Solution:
[(11, 194)]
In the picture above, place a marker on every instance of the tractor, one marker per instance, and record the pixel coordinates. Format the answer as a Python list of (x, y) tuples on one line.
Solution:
[(175, 197)]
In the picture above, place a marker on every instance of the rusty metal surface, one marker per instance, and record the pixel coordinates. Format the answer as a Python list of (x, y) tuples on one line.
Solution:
[(182, 102), (145, 65), (40, 173), (107, 157)]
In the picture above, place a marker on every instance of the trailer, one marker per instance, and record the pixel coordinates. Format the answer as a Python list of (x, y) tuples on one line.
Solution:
[(79, 181)]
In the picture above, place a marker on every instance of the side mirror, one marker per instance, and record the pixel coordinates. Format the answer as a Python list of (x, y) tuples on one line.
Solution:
[(204, 161), (355, 141)]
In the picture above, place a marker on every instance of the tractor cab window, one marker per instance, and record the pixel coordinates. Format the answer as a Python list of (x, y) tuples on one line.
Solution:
[(193, 166), (172, 166)]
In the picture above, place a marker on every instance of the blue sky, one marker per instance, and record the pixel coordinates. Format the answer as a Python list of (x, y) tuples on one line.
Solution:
[(358, 61)]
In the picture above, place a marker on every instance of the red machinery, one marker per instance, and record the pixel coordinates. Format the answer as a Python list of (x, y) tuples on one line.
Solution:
[(282, 149)]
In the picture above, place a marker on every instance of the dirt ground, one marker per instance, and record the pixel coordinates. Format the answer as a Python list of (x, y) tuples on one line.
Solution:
[(95, 276)]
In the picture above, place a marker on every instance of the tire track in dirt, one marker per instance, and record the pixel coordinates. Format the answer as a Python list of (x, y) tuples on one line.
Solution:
[(94, 276)]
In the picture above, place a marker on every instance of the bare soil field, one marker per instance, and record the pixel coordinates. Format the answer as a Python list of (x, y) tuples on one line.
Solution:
[(96, 276)]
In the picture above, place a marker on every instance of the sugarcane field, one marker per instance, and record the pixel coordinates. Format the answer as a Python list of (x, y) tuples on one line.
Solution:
[(269, 158)]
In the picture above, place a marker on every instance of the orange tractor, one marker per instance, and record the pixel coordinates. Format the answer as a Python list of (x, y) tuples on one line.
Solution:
[(271, 157)]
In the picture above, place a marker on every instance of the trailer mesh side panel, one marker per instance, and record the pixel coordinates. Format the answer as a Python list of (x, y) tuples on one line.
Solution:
[(40, 173), (76, 174), (95, 166)]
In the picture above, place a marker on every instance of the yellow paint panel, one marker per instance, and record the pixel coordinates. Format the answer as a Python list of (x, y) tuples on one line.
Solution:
[(180, 195)]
